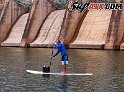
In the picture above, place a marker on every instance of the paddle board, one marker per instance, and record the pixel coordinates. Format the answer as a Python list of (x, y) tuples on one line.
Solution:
[(40, 72)]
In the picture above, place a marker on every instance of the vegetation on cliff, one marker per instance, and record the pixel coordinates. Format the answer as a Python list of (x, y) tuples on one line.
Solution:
[(25, 4), (60, 4)]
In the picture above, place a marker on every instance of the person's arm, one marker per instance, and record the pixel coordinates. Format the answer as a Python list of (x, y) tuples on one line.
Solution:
[(57, 46), (56, 53)]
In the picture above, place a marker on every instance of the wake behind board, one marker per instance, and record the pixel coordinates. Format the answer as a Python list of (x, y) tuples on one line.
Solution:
[(42, 73)]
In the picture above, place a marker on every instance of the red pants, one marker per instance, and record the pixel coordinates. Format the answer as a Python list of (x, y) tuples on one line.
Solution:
[(64, 66)]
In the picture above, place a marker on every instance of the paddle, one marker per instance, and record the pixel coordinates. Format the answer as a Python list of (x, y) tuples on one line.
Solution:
[(52, 54), (51, 58)]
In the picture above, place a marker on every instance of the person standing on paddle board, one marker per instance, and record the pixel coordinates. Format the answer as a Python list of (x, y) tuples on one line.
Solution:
[(61, 48)]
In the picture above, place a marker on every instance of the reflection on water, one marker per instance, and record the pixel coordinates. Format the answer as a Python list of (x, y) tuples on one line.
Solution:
[(107, 67)]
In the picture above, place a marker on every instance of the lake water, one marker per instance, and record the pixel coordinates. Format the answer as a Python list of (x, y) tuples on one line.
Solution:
[(107, 68)]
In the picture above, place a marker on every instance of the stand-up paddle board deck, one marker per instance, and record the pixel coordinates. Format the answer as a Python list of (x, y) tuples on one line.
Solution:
[(40, 72)]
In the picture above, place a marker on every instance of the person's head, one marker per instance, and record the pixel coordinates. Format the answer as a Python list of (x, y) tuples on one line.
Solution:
[(58, 42)]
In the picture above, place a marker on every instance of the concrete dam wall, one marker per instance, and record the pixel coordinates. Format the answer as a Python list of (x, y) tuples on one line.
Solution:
[(44, 24), (15, 36), (120, 36), (38, 14), (2, 1), (50, 30), (93, 31), (9, 15), (1, 5)]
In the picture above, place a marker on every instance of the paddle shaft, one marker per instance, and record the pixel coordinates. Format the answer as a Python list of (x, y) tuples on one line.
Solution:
[(51, 58)]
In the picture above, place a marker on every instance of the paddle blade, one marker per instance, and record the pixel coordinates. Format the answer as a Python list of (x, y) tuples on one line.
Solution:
[(34, 72)]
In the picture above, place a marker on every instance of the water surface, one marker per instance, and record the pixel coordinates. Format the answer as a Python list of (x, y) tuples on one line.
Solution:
[(107, 68)]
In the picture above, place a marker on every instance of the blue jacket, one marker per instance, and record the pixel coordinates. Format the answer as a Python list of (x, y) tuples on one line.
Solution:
[(61, 48)]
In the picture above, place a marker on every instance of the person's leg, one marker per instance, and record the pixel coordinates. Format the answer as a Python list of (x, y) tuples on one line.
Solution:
[(65, 69), (64, 66)]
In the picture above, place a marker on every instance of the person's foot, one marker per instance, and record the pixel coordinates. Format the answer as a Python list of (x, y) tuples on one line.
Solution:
[(63, 72)]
